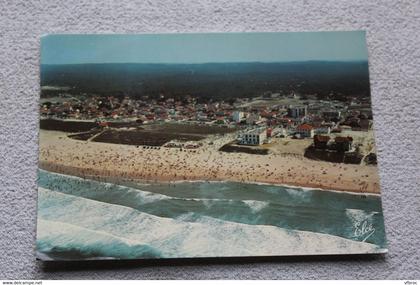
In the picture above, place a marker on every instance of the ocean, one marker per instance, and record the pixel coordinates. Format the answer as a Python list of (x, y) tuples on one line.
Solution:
[(87, 219)]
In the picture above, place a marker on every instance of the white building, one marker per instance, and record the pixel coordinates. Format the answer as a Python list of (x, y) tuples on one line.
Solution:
[(254, 137), (305, 131), (237, 116)]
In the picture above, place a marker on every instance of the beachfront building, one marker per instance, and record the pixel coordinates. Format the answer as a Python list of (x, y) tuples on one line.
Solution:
[(343, 143), (321, 142), (305, 131), (254, 137)]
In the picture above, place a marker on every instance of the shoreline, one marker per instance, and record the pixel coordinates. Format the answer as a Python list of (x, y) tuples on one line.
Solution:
[(125, 182), (105, 161), (114, 180)]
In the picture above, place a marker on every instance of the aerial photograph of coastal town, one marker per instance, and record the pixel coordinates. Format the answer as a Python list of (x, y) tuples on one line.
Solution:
[(207, 145)]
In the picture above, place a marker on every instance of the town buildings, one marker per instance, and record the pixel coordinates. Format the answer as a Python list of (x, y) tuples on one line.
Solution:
[(253, 119), (303, 120), (254, 137), (305, 131), (238, 116), (297, 111)]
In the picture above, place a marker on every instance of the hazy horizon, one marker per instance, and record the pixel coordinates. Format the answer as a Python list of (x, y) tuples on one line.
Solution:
[(206, 48), (200, 63)]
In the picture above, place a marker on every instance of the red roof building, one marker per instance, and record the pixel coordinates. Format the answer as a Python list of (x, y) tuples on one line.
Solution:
[(343, 143), (305, 131), (305, 127), (321, 142)]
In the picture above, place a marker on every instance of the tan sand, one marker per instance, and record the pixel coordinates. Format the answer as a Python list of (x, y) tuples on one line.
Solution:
[(58, 153)]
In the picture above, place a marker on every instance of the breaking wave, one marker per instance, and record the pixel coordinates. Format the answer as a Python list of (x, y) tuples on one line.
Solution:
[(95, 228), (59, 237), (87, 219), (256, 206), (357, 215)]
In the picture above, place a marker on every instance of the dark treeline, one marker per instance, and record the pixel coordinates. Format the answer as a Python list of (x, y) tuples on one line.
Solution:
[(211, 80)]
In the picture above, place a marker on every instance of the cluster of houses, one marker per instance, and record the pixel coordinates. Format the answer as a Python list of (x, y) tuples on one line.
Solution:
[(144, 109), (311, 119), (315, 121)]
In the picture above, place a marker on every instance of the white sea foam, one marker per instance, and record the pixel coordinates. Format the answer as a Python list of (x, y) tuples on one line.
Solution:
[(305, 189), (63, 236), (299, 188), (303, 196), (100, 188), (256, 206), (113, 230), (357, 215)]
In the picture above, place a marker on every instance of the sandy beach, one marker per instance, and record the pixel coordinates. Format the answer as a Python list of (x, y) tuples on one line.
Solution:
[(102, 161)]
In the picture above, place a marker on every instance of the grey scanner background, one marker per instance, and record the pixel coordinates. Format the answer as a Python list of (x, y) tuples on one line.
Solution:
[(393, 39)]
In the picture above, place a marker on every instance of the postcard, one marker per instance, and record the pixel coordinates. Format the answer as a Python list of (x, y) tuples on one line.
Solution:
[(206, 145)]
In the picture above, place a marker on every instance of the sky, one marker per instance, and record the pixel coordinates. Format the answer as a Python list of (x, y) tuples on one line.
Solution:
[(203, 48)]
